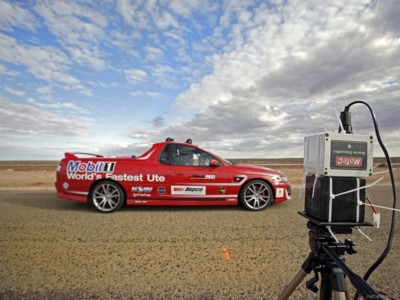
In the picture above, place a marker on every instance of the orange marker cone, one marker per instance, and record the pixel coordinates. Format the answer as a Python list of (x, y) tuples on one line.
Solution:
[(226, 253)]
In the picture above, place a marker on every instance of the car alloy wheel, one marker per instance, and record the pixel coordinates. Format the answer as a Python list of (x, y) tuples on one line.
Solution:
[(256, 195), (107, 196)]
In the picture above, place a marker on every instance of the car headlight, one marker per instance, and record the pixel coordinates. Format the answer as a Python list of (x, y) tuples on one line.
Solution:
[(279, 179)]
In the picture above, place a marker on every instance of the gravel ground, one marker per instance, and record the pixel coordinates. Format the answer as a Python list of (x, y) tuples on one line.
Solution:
[(56, 249)]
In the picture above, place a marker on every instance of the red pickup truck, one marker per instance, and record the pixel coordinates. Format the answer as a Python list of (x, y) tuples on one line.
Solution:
[(171, 174)]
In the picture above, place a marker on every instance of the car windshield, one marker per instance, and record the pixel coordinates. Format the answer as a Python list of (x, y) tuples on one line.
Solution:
[(229, 162), (222, 159)]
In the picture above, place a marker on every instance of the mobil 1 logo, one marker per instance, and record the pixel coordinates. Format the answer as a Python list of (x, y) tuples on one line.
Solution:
[(90, 166)]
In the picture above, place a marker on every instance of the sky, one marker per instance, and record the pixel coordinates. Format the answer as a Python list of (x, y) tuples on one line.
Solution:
[(243, 79)]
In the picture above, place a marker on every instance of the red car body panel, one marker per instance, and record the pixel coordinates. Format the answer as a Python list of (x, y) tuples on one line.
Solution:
[(150, 180)]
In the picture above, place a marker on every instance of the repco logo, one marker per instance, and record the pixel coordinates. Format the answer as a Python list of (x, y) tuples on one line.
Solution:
[(98, 166), (194, 189), (188, 190)]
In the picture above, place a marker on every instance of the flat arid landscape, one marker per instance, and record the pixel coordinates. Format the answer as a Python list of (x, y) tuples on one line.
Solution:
[(57, 249)]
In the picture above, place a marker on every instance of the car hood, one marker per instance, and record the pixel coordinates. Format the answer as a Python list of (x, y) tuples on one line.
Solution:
[(256, 169)]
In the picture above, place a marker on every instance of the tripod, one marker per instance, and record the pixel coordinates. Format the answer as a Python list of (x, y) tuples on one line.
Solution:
[(326, 258)]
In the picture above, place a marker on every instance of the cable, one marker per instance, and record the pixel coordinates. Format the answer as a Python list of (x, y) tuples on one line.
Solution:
[(371, 204), (389, 163)]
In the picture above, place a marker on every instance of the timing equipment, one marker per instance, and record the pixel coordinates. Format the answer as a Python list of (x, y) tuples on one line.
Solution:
[(333, 163), (334, 167), (338, 154)]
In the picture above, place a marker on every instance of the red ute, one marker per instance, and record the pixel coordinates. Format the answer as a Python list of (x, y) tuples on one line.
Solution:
[(170, 173)]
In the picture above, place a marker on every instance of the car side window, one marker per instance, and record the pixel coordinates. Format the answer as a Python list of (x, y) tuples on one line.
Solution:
[(165, 157), (181, 155)]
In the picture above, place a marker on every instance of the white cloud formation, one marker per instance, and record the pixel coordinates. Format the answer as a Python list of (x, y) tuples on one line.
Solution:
[(14, 91), (77, 26), (313, 58), (242, 78), (148, 94), (136, 76), (146, 13), (14, 16), (31, 119), (43, 62)]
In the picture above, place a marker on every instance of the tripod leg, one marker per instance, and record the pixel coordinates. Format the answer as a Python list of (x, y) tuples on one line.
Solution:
[(293, 285), (340, 295), (325, 292), (347, 291), (334, 281), (306, 268)]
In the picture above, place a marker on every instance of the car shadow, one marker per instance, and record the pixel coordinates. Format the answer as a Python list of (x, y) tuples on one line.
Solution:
[(42, 199), (47, 200), (181, 208)]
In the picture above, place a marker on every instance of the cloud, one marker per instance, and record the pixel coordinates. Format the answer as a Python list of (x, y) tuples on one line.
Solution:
[(14, 91), (153, 53), (148, 94), (5, 71), (300, 62), (12, 15), (386, 20), (136, 76), (44, 90), (248, 78), (17, 119), (43, 62), (158, 121), (27, 151), (63, 107), (131, 13), (146, 13), (78, 28)]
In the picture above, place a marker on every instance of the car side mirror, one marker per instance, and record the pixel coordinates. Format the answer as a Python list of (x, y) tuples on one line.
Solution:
[(214, 163)]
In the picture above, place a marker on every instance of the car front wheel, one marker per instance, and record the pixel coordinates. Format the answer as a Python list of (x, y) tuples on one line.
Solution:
[(107, 196), (256, 195)]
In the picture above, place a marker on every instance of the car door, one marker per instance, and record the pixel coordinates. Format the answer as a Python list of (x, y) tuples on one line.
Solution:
[(193, 176)]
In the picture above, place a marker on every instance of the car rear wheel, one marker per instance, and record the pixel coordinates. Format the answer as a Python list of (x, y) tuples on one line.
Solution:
[(107, 196), (256, 195)]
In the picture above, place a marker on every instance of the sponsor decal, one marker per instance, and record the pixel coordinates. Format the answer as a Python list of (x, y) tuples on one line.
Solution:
[(136, 178), (120, 177), (205, 176), (135, 195), (88, 167), (84, 176), (141, 189), (188, 190), (279, 192), (161, 190), (65, 185), (140, 201), (222, 190)]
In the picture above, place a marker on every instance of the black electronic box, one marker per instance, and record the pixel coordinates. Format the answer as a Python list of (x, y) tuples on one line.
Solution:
[(320, 204)]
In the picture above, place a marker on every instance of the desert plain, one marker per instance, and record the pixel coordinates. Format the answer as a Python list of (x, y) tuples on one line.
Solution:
[(57, 249)]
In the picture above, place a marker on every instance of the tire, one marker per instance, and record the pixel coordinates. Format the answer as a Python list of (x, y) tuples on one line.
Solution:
[(107, 196), (256, 195)]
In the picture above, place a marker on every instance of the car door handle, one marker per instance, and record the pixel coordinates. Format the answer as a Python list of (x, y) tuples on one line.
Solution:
[(179, 174)]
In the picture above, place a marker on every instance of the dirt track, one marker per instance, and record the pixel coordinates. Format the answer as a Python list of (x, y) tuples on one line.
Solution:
[(52, 248)]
